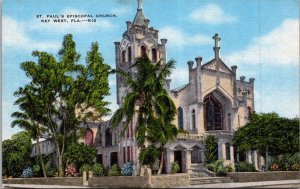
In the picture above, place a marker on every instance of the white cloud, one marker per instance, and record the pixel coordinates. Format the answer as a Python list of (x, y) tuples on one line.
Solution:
[(176, 37), (280, 46), (14, 35), (211, 14), (278, 102), (120, 11), (78, 27)]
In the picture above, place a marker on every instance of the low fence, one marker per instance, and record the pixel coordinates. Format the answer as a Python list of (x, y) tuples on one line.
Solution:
[(120, 181), (169, 181), (264, 176), (67, 181)]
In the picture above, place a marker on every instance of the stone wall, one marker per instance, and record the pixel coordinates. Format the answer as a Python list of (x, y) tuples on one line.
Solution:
[(63, 181), (120, 182), (264, 176), (168, 181)]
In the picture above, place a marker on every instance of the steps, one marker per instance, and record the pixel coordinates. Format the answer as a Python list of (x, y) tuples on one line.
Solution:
[(209, 180)]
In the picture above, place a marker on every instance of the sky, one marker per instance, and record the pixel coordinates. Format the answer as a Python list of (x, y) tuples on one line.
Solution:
[(261, 37)]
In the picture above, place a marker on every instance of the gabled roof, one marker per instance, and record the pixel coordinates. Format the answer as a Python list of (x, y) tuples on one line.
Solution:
[(223, 67), (179, 88)]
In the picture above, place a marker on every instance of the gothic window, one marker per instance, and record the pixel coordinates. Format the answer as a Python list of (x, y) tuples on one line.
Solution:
[(123, 56), (196, 155), (129, 54), (229, 121), (154, 55), (193, 119), (180, 118), (108, 137), (143, 51), (213, 114), (227, 146), (88, 138)]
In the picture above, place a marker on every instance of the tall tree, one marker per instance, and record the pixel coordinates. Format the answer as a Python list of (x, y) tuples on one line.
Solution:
[(65, 92), (211, 148), (270, 134), (146, 96)]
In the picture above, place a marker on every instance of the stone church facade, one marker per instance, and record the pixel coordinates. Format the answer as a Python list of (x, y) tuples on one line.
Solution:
[(214, 102)]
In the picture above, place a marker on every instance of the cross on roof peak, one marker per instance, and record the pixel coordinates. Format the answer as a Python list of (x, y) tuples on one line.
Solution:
[(217, 39)]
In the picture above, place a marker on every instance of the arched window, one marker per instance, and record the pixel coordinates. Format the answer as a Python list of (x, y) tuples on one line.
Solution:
[(227, 146), (180, 118), (196, 155), (143, 51), (88, 138), (229, 121), (193, 119), (213, 114), (129, 54), (123, 56), (154, 55), (108, 137)]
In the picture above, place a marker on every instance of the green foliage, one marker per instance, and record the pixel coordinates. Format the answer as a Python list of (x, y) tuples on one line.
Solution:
[(286, 162), (174, 167), (211, 148), (230, 168), (215, 165), (84, 167), (57, 88), (148, 155), (222, 172), (36, 169), (16, 154), (98, 170), (269, 133), (114, 171), (80, 154), (244, 167)]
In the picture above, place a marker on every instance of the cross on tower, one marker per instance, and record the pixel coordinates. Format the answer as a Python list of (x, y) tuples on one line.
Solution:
[(217, 39), (139, 4)]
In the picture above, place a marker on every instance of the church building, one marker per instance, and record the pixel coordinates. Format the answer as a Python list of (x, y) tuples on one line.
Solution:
[(213, 102)]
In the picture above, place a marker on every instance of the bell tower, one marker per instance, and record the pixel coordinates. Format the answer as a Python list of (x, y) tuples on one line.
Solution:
[(138, 40)]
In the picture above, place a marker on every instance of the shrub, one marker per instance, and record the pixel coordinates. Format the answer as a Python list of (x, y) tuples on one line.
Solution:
[(36, 169), (27, 172), (51, 171), (98, 170), (84, 167), (295, 167), (70, 171), (127, 169), (114, 171), (229, 168), (275, 167), (211, 167), (244, 167), (222, 171), (175, 167)]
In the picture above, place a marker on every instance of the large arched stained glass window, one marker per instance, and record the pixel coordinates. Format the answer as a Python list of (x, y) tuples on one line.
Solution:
[(180, 118), (213, 114)]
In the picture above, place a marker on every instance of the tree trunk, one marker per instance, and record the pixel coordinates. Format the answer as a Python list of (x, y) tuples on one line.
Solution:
[(161, 163), (60, 165), (267, 159), (41, 159)]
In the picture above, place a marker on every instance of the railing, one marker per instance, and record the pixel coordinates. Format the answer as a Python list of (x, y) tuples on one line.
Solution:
[(189, 136), (219, 132)]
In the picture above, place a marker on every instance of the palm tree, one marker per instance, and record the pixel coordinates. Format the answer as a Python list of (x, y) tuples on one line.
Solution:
[(30, 119), (146, 96)]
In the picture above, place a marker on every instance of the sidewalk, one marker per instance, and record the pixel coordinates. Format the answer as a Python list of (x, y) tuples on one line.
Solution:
[(261, 184)]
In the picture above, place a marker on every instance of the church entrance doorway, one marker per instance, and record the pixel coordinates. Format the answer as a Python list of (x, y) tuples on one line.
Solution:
[(178, 158)]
